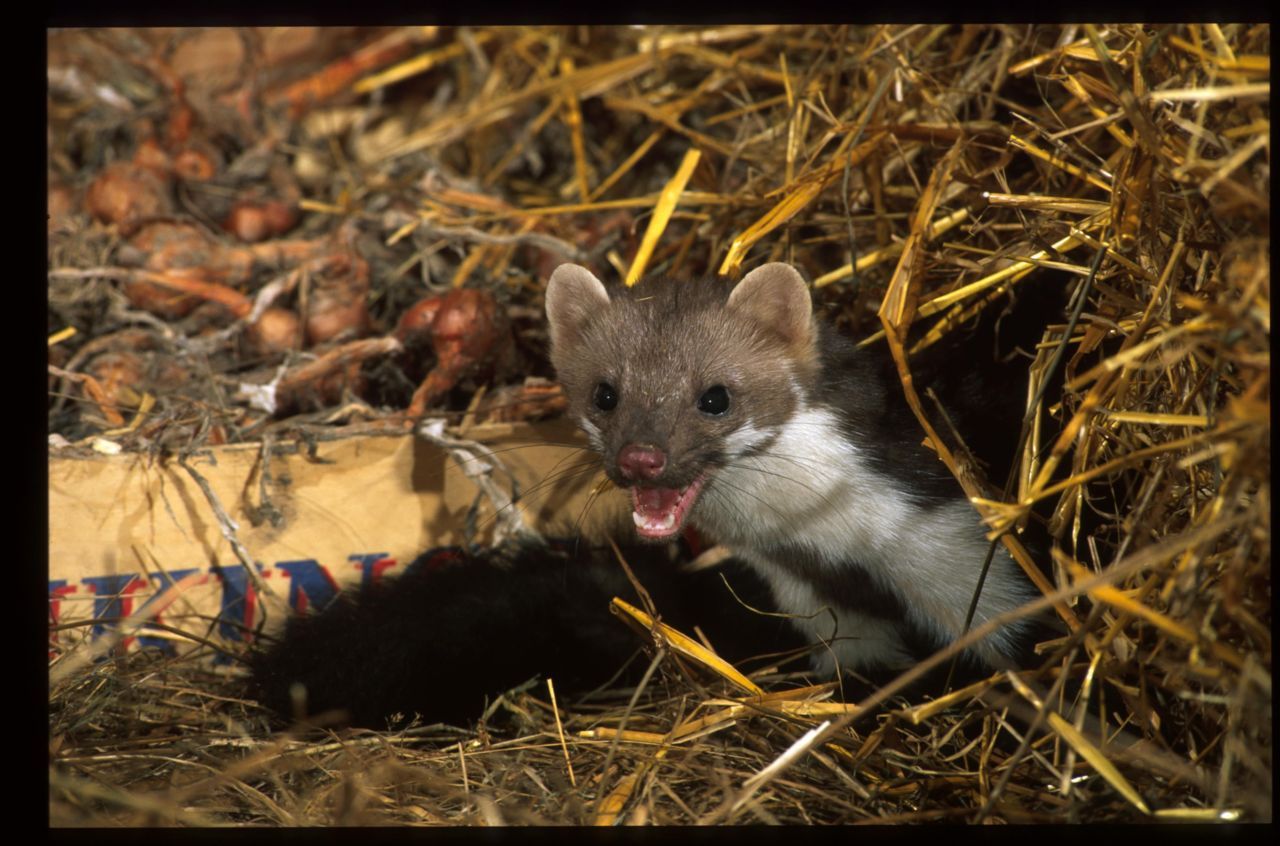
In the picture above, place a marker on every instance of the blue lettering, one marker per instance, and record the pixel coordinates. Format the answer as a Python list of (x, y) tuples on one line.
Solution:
[(164, 582), (309, 584), (239, 603), (371, 565)]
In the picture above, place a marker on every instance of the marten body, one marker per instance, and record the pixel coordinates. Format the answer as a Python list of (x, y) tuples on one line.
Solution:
[(731, 409)]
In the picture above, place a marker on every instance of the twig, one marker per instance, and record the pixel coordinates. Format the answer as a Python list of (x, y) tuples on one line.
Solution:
[(229, 529)]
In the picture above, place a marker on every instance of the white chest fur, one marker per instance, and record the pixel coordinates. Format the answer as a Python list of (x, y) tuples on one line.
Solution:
[(813, 488)]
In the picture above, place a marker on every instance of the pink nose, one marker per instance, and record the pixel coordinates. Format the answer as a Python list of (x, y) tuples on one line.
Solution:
[(641, 462)]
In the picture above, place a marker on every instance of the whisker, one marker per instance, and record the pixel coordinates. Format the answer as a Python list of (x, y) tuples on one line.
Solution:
[(831, 504), (714, 490), (459, 461), (544, 487), (596, 491)]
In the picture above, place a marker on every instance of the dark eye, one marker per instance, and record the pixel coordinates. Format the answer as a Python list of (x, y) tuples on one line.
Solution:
[(714, 400), (605, 397)]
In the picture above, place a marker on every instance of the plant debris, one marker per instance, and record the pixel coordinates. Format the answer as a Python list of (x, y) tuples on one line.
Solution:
[(254, 231)]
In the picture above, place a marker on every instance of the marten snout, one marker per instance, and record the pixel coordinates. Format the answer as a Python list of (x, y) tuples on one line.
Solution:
[(641, 462)]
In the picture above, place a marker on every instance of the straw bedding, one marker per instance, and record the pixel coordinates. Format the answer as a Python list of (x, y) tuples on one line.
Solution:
[(916, 172)]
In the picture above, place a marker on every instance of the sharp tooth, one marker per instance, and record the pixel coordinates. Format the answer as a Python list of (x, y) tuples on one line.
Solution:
[(639, 521)]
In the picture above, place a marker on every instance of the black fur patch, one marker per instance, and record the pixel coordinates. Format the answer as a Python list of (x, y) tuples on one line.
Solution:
[(438, 640)]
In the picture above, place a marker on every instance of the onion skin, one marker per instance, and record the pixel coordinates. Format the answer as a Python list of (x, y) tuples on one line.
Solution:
[(120, 376), (416, 321), (247, 222), (277, 331), (162, 246), (195, 165), (159, 300), (252, 221), (153, 157), (469, 334), (465, 328), (127, 195), (337, 308)]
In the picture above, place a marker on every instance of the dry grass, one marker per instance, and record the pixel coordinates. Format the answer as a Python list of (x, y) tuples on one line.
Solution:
[(913, 170)]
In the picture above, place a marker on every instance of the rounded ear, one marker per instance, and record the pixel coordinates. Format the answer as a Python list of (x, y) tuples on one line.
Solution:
[(573, 295), (777, 296)]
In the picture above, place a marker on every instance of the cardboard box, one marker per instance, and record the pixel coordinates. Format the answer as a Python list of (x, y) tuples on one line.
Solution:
[(136, 539)]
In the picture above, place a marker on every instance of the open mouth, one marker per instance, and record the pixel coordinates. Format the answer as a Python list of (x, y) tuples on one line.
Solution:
[(659, 513)]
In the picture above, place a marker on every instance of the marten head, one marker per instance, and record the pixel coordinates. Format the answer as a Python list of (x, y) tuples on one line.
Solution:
[(671, 380)]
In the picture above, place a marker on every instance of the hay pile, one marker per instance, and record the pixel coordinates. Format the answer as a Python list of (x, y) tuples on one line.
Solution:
[(914, 171)]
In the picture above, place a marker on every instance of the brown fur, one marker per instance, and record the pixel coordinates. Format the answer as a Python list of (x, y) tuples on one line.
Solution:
[(663, 342)]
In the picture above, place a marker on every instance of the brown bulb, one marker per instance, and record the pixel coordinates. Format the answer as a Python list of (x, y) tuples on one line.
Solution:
[(127, 195)]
